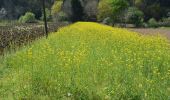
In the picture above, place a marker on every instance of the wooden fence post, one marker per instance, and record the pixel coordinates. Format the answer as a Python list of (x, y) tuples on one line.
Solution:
[(45, 19)]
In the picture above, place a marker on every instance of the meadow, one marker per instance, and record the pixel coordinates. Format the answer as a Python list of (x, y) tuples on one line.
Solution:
[(88, 61)]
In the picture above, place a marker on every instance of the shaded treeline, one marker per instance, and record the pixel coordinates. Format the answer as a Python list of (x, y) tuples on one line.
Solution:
[(16, 8), (152, 8)]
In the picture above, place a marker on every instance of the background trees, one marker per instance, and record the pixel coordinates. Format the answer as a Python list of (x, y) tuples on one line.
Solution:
[(77, 11), (104, 10), (16, 8), (115, 11), (134, 11), (134, 16)]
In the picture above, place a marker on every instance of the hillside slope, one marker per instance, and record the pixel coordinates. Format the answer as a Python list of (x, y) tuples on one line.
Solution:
[(89, 61)]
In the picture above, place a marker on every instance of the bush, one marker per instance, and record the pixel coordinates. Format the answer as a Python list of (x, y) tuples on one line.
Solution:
[(107, 21), (61, 16), (21, 19), (165, 22), (134, 16), (56, 12), (118, 9), (104, 10), (152, 23), (113, 9), (48, 15), (56, 7), (144, 24), (29, 17)]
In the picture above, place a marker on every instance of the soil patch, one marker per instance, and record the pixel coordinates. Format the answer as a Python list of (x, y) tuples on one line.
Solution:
[(153, 31)]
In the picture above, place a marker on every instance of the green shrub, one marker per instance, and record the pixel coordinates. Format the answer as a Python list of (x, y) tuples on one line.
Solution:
[(48, 15), (21, 19), (113, 9), (56, 7), (165, 22), (29, 17), (56, 12), (61, 16), (107, 21), (144, 24), (104, 10), (134, 16), (118, 9), (152, 23)]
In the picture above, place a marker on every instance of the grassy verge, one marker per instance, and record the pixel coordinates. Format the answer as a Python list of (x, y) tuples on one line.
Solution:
[(89, 61), (164, 27)]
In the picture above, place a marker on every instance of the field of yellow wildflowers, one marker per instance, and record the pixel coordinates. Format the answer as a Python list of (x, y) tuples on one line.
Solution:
[(88, 61)]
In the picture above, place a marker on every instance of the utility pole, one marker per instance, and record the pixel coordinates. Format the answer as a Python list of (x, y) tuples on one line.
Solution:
[(45, 19)]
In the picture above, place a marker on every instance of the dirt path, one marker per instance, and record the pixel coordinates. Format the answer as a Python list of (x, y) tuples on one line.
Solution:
[(152, 31)]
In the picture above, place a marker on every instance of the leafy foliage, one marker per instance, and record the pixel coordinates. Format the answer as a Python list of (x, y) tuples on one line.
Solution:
[(152, 23), (29, 17), (134, 16), (16, 8), (152, 8), (165, 22), (119, 5), (56, 8), (48, 15), (104, 10), (112, 8), (60, 17)]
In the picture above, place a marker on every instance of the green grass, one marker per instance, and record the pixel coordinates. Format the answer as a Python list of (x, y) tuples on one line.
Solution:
[(164, 27), (89, 61), (7, 22)]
